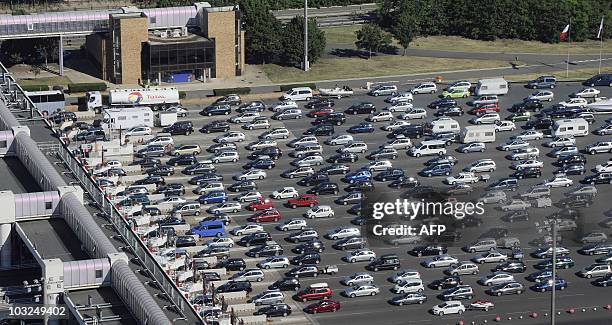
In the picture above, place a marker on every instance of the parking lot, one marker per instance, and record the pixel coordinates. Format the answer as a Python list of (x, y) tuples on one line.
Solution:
[(376, 309)]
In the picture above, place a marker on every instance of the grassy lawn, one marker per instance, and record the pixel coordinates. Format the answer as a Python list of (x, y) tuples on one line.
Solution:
[(51, 81), (346, 35), (328, 69)]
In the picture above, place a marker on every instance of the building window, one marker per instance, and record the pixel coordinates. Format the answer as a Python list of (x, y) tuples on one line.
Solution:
[(152, 20), (48, 205), (30, 26), (3, 144), (98, 274)]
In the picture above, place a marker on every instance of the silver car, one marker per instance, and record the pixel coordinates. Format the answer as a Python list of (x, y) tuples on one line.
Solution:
[(316, 160), (225, 156), (358, 279), (268, 297), (251, 275), (274, 262), (362, 290), (288, 114), (293, 224), (360, 255)]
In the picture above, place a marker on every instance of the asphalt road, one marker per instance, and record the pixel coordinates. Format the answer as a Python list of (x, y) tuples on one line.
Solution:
[(376, 310)]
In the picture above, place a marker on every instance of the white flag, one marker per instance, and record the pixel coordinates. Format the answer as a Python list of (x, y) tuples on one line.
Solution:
[(600, 31)]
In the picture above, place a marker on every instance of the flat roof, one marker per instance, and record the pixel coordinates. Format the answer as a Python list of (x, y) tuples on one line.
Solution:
[(103, 295), (15, 177), (53, 238), (189, 38)]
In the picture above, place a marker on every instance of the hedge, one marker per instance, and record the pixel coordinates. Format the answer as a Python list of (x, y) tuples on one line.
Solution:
[(182, 94), (227, 91), (83, 87), (288, 87), (35, 87)]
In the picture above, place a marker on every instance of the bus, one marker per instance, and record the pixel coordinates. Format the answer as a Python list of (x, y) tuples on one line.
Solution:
[(47, 101)]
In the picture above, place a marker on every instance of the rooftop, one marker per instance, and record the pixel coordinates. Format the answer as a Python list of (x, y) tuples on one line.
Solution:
[(53, 238), (189, 38), (112, 309), (15, 177)]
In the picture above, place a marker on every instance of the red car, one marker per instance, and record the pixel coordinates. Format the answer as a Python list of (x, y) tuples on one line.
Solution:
[(324, 111), (323, 306), (304, 200), (485, 108), (268, 215), (260, 204), (314, 292)]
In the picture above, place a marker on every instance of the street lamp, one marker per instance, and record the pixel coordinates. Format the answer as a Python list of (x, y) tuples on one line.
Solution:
[(554, 271), (306, 64)]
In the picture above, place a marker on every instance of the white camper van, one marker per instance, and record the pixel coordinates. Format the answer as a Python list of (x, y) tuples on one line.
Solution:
[(493, 86), (478, 133), (127, 117), (443, 124), (576, 127)]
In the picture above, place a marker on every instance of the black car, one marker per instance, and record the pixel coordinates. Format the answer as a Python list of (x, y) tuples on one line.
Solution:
[(559, 111), (335, 118), (61, 117), (511, 267), (325, 188), (285, 284), (183, 160), (185, 241), (147, 162), (404, 182), (527, 105), (303, 271), (275, 310), (343, 157), (361, 108), (313, 246), (216, 109), (320, 103), (605, 281), (445, 282), (382, 153), (360, 186), (428, 250), (204, 178), (180, 127), (257, 238), (273, 153), (265, 251), (171, 189), (200, 168), (603, 79), (521, 215), (450, 111), (234, 286), (540, 124), (390, 174), (231, 99), (314, 179), (601, 178), (254, 106), (260, 164), (306, 258), (160, 171), (150, 179), (350, 243), (171, 221), (335, 169), (572, 169), (570, 160), (320, 130), (215, 126), (151, 151), (527, 173), (385, 262), (441, 103), (242, 186), (409, 131)]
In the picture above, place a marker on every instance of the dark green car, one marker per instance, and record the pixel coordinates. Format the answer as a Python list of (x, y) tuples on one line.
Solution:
[(519, 117)]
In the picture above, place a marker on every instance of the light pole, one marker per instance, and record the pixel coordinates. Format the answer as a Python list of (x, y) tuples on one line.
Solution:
[(554, 271), (306, 65)]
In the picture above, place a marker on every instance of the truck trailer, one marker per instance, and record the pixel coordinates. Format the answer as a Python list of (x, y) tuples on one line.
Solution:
[(127, 117), (155, 98), (478, 133)]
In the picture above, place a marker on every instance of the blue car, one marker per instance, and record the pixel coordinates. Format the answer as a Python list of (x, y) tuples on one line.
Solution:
[(209, 228), (560, 284), (358, 176), (437, 170), (563, 262), (205, 178), (260, 164), (363, 127), (213, 197), (539, 276)]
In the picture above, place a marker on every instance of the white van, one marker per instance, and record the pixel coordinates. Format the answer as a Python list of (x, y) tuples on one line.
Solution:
[(493, 86), (478, 133), (296, 94), (576, 127), (430, 147), (443, 124)]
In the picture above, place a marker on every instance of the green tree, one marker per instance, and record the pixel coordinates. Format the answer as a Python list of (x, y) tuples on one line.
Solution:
[(35, 69), (293, 41), (406, 26), (262, 32), (372, 38)]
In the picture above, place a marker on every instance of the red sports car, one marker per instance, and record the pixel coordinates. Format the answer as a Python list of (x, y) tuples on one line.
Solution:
[(304, 200), (268, 215), (261, 204), (485, 108), (324, 111), (323, 306)]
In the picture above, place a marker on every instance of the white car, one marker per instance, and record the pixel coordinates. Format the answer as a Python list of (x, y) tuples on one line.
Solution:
[(380, 116), (490, 257), (285, 193), (319, 211), (281, 106), (462, 178), (303, 141), (360, 255), (379, 165), (575, 102), (399, 143), (560, 142), (354, 147), (232, 136), (409, 286), (358, 279), (440, 261), (586, 93), (362, 290), (529, 135), (245, 117), (558, 180), (599, 147), (542, 95), (503, 126), (405, 275), (293, 224), (486, 118), (226, 207), (161, 141), (257, 124), (343, 232), (529, 163), (448, 308), (400, 106), (516, 205), (481, 165), (250, 196), (513, 145), (308, 161), (485, 99), (524, 153), (251, 174), (340, 139), (138, 131), (274, 262), (394, 125), (604, 167), (496, 278), (461, 85), (276, 133), (493, 197), (399, 97), (225, 156), (260, 144), (220, 242), (414, 113), (173, 200), (424, 88), (247, 229)]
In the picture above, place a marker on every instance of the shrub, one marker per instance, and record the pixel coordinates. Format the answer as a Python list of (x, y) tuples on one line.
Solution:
[(182, 94), (227, 91), (35, 87), (83, 87)]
